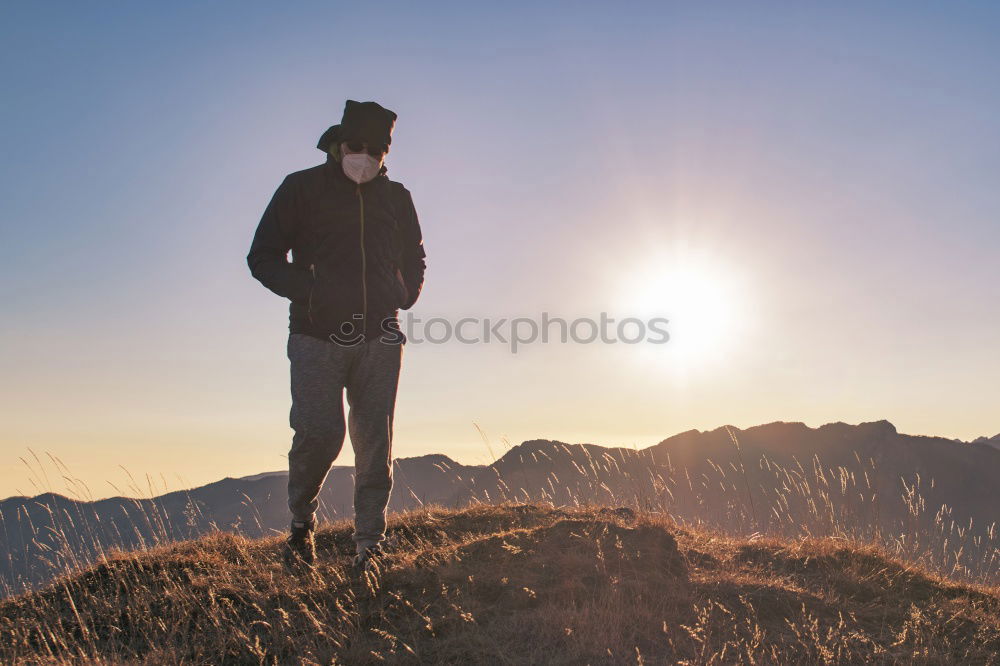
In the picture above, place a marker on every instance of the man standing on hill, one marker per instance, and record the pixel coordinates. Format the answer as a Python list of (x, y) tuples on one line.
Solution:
[(357, 258)]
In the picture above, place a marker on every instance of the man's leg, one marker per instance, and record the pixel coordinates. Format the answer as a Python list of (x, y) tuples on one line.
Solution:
[(371, 394), (318, 372)]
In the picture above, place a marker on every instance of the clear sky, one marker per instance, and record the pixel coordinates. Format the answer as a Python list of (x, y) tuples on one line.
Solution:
[(808, 191)]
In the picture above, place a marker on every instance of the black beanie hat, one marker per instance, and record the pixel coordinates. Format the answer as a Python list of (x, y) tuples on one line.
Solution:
[(363, 121)]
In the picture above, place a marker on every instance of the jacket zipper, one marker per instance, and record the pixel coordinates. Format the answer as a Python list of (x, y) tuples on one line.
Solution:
[(364, 268)]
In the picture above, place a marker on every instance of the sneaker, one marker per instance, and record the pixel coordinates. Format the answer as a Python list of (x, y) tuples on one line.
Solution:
[(369, 560), (299, 546)]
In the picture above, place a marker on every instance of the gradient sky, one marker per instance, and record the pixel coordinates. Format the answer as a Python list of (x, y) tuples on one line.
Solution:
[(809, 193)]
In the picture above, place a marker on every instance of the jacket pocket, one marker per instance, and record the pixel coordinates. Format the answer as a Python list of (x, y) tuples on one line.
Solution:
[(404, 293), (333, 301), (312, 286)]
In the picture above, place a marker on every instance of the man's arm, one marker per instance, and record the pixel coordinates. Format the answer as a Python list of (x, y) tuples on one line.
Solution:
[(413, 251), (268, 257)]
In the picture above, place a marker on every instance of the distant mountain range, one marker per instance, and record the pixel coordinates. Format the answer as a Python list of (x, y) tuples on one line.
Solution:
[(778, 478), (993, 441)]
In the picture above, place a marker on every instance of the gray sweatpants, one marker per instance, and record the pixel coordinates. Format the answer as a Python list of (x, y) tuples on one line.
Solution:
[(320, 372)]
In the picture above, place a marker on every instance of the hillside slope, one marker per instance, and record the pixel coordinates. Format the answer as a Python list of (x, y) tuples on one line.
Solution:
[(509, 584), (863, 481)]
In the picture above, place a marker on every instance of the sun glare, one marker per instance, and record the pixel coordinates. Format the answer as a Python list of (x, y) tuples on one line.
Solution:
[(700, 298)]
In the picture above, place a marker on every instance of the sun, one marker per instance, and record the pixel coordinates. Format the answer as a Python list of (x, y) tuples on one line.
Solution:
[(700, 297)]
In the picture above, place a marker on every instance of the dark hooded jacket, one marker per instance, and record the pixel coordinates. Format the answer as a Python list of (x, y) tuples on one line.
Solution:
[(357, 253)]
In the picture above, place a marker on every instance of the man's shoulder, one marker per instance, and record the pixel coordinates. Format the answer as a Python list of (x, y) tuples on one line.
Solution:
[(307, 174), (396, 187)]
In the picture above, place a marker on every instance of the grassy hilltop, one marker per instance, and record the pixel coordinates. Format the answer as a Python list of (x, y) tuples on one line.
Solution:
[(930, 500), (509, 584)]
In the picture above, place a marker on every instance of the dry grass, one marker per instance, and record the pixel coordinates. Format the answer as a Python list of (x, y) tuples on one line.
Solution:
[(510, 584), (758, 564)]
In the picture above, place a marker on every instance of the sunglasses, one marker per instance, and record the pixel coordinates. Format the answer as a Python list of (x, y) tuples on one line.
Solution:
[(360, 146)]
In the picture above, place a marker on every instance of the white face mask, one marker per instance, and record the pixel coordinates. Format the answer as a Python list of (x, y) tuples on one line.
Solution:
[(360, 167)]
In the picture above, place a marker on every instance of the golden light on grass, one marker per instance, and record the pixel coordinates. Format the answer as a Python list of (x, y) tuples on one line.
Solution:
[(624, 556)]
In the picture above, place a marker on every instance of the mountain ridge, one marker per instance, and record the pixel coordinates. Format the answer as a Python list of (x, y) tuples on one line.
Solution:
[(880, 424)]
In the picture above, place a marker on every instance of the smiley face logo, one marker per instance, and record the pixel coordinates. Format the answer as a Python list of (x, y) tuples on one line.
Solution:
[(349, 334)]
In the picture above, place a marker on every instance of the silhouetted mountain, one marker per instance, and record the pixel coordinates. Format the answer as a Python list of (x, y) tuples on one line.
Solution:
[(993, 441), (777, 478)]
